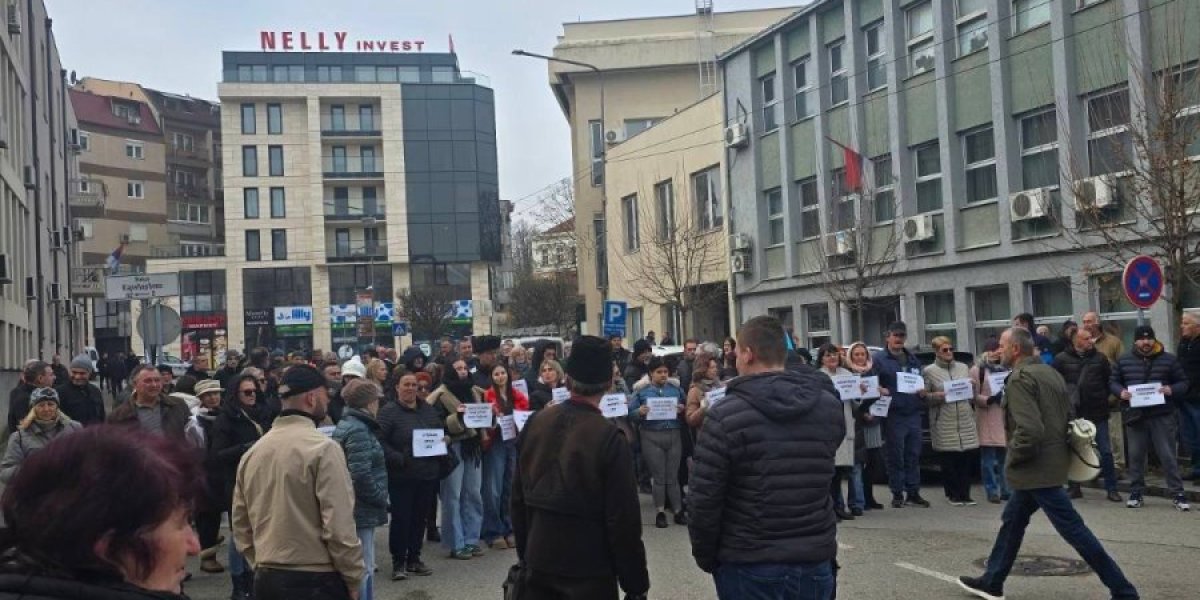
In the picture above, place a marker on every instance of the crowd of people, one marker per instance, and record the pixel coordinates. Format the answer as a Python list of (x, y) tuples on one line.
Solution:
[(442, 449)]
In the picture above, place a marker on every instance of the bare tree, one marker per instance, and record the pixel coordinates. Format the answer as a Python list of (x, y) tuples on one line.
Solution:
[(549, 299), (427, 309), (523, 234)]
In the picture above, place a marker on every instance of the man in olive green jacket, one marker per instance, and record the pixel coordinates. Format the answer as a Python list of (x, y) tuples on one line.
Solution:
[(1036, 413)]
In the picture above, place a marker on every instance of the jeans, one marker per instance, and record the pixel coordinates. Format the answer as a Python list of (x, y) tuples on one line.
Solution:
[(1159, 431), (1067, 522), (663, 449), (798, 581), (904, 453), (366, 589), (857, 499), (1189, 428), (462, 504), (238, 565), (410, 509), (1116, 433), (991, 461), (956, 474), (1108, 467), (498, 465)]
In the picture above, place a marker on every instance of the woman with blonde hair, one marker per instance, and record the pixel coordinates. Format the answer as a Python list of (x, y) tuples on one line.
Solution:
[(40, 426), (868, 434), (377, 371), (951, 424), (829, 362)]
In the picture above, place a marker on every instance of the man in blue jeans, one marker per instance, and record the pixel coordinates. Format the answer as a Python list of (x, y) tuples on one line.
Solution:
[(903, 425), (761, 519), (1037, 412)]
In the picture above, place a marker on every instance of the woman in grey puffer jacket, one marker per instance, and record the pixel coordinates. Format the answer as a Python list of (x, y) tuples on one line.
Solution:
[(951, 424), (41, 426), (357, 434)]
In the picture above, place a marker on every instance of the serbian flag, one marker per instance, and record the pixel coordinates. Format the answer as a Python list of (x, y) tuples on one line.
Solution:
[(451, 36), (854, 166), (114, 260)]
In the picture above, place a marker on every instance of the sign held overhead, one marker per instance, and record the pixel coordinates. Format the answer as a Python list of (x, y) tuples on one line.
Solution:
[(141, 287)]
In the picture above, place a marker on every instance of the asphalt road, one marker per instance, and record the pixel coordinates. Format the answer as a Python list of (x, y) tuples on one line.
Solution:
[(905, 554)]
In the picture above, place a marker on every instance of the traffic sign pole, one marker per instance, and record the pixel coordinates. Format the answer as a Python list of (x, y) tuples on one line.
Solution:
[(1142, 282)]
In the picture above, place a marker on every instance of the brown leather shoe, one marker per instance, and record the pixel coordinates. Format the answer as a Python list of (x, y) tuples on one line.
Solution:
[(210, 565)]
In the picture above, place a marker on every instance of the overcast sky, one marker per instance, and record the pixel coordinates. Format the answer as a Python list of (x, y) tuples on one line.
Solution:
[(175, 45)]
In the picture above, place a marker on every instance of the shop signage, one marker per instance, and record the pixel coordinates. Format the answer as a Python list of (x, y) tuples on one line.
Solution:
[(324, 41), (258, 317), (204, 321), (293, 321)]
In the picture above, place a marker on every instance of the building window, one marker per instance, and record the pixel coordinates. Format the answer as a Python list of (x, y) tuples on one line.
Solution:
[(635, 126), (135, 150), (135, 189), (938, 310), (1110, 148), (805, 106), (971, 26), (1181, 88), (248, 119), (885, 188), (182, 141), (770, 103), (1051, 301), (278, 203), (1039, 150), (85, 141), (775, 225), (839, 86), (980, 150), (278, 244), (876, 56), (818, 330), (85, 185), (249, 161), (138, 232), (250, 202), (1115, 310), (596, 131), (843, 207), (992, 314), (664, 200), (371, 241), (274, 118), (341, 243), (367, 157), (928, 159), (629, 216), (366, 117), (1028, 14), (329, 74), (920, 38), (810, 208), (637, 329), (253, 249), (337, 117), (275, 156), (192, 213), (706, 194)]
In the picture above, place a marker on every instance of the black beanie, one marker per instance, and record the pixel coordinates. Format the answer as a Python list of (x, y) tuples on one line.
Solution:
[(590, 361), (300, 379), (640, 347)]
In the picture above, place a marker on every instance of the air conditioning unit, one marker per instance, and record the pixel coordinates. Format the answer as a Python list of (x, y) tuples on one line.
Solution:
[(4, 278), (614, 136), (14, 20), (125, 238), (30, 288), (30, 178), (739, 242), (839, 243), (1096, 193), (739, 264), (737, 135), (919, 228), (1029, 204), (55, 292)]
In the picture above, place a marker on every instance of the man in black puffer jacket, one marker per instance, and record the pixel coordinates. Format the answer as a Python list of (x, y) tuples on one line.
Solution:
[(764, 462), (1155, 424), (1087, 373)]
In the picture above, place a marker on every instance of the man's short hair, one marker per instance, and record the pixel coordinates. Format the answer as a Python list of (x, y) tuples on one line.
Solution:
[(138, 371), (1023, 339), (764, 336), (1026, 319)]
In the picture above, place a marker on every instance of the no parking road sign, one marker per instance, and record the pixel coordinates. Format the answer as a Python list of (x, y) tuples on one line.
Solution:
[(1142, 281), (615, 313)]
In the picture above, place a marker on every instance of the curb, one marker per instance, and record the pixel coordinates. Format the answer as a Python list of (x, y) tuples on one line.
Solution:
[(1151, 489)]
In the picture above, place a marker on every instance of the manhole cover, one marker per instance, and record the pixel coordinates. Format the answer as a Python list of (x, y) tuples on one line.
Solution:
[(1044, 566)]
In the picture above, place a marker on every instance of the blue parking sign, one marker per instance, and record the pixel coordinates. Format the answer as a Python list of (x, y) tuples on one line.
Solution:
[(615, 313)]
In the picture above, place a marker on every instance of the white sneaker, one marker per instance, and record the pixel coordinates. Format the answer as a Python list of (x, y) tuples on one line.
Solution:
[(1135, 501), (1181, 503)]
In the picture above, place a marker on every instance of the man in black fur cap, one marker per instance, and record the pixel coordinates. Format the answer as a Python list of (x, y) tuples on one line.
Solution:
[(486, 347)]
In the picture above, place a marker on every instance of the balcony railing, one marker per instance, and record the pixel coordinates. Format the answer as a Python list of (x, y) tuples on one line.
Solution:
[(184, 190), (347, 253), (94, 197), (353, 210), (352, 167), (350, 127), (197, 250), (196, 153)]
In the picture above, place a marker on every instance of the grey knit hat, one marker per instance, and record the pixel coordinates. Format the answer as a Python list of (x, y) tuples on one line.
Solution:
[(82, 361)]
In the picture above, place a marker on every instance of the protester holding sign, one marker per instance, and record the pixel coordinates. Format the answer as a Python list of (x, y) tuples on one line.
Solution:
[(951, 420), (869, 465), (462, 504), (989, 419), (550, 378), (412, 479), (892, 364), (499, 460), (829, 358), (706, 378), (662, 447)]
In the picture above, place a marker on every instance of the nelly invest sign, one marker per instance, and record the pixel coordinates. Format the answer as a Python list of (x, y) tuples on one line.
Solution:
[(333, 41)]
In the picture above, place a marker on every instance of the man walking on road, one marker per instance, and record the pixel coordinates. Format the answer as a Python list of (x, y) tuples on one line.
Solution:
[(764, 462), (903, 425), (293, 502), (575, 509), (1037, 410)]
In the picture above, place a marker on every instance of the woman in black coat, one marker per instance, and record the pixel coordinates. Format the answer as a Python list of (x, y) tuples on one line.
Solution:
[(244, 418)]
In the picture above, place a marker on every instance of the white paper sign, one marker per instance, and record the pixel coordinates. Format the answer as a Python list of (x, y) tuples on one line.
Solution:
[(872, 387), (880, 407), (1146, 394), (714, 396), (521, 386), (909, 383), (327, 430), (561, 394), (508, 427), (478, 415), (429, 442), (847, 386), (662, 409), (996, 381), (614, 405), (958, 390), (520, 417)]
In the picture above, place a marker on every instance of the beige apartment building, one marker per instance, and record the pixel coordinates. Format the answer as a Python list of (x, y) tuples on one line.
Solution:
[(649, 70)]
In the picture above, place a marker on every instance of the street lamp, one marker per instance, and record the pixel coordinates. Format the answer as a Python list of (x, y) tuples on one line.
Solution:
[(603, 250), (370, 221)]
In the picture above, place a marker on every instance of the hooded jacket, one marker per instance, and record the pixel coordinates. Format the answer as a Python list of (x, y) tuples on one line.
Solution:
[(1157, 366), (1036, 412), (28, 440), (763, 463), (83, 403), (357, 434), (1087, 375), (411, 354)]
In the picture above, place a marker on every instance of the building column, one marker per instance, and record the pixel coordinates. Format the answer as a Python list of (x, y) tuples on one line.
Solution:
[(481, 303), (322, 326)]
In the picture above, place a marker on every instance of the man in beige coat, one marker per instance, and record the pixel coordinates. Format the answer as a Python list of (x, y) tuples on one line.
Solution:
[(293, 502)]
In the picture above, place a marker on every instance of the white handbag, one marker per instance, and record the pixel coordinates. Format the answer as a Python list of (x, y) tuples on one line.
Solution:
[(1085, 459)]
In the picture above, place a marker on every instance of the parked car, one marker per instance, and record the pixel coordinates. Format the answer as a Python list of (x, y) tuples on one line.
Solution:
[(178, 366)]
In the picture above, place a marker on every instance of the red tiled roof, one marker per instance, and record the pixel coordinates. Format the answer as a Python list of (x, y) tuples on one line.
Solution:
[(564, 227), (94, 109)]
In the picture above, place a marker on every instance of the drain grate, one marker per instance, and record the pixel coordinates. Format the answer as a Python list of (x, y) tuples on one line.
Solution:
[(1044, 566)]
